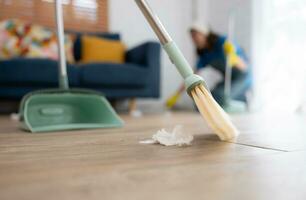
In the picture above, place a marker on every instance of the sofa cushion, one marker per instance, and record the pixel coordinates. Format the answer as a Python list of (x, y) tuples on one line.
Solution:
[(22, 39), (95, 49), (113, 75), (32, 72), (77, 47)]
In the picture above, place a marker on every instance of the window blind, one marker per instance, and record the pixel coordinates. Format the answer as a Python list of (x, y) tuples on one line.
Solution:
[(79, 15)]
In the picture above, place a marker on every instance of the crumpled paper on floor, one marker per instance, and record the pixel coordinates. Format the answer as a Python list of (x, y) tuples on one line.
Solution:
[(175, 138)]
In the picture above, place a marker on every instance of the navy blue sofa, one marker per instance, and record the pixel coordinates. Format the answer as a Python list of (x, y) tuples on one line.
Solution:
[(138, 77)]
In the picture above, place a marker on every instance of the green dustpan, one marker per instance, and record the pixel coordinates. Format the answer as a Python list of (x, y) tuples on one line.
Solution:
[(64, 108), (56, 110)]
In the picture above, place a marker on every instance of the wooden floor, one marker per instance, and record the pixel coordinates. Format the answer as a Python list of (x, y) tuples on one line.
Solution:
[(267, 161)]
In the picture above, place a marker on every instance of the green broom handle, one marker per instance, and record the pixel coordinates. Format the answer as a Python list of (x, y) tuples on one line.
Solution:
[(63, 78), (170, 47)]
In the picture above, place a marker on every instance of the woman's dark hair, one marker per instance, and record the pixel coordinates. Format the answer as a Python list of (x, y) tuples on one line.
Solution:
[(212, 39)]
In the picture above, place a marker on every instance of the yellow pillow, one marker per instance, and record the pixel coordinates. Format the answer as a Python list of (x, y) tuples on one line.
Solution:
[(95, 49)]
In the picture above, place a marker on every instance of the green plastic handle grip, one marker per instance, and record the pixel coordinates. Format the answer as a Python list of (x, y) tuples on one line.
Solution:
[(178, 59)]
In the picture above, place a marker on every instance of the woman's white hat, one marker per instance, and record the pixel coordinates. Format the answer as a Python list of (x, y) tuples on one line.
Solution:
[(200, 27)]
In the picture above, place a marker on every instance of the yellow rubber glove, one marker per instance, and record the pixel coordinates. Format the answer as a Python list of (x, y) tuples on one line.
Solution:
[(171, 101), (229, 48), (230, 52)]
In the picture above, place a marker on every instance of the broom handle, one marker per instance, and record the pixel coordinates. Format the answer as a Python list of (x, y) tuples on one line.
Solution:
[(63, 79), (174, 53), (228, 70), (154, 22)]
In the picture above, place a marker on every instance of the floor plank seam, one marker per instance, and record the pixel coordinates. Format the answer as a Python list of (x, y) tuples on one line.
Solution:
[(249, 145), (260, 147)]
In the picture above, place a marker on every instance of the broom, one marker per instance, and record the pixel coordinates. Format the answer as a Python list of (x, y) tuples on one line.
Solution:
[(216, 118)]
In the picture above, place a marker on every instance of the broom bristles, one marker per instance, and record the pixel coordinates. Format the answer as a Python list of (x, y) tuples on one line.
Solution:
[(215, 116)]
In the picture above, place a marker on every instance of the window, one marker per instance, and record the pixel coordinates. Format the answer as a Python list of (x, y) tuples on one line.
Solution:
[(79, 15), (283, 62)]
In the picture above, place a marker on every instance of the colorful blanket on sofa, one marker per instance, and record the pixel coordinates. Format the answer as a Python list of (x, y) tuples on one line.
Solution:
[(21, 39)]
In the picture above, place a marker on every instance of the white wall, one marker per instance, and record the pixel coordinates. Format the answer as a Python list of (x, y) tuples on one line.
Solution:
[(126, 19)]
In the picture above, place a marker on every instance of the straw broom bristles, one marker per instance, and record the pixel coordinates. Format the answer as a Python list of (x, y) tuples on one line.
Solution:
[(215, 116)]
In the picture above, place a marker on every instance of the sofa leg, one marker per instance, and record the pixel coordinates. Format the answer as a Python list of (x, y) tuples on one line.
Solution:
[(132, 105), (9, 106), (113, 104), (134, 112)]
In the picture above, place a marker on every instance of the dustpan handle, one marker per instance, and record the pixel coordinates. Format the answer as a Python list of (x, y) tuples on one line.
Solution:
[(63, 79)]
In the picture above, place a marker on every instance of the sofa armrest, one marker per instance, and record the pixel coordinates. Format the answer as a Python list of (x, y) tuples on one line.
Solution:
[(148, 55)]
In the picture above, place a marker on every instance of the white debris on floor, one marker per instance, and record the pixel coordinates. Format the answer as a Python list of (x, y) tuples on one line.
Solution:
[(136, 113), (175, 138), (15, 116), (149, 141)]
